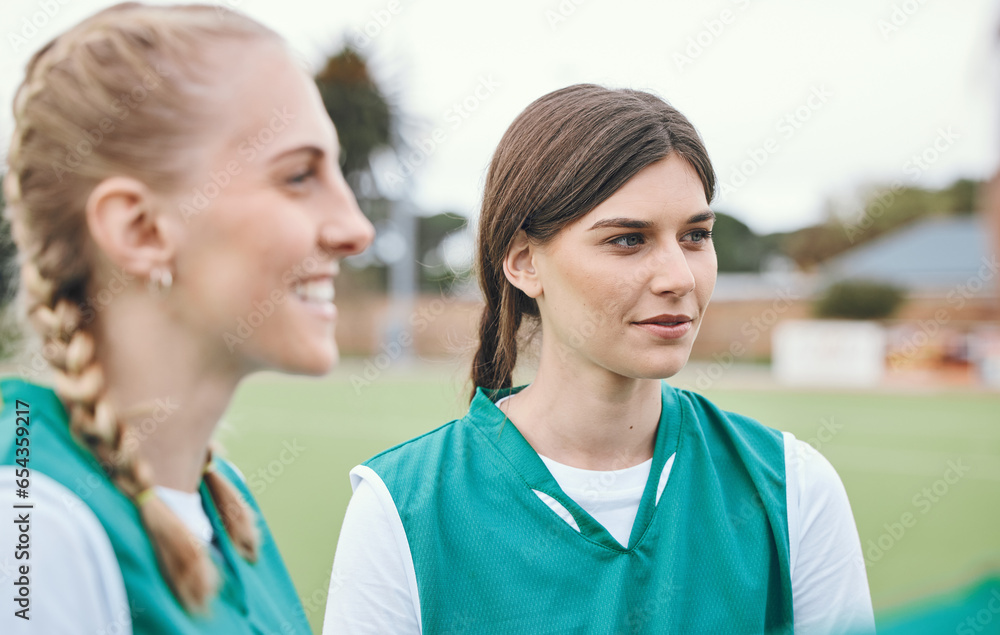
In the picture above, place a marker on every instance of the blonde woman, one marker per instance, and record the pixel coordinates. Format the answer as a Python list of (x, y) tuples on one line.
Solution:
[(172, 176)]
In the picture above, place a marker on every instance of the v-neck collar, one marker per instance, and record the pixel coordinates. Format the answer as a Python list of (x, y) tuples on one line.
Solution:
[(509, 441)]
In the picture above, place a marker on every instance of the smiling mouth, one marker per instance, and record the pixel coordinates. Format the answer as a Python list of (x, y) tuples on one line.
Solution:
[(316, 295), (317, 290)]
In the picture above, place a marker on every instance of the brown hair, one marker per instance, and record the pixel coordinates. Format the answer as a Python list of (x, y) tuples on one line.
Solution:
[(121, 93), (565, 154)]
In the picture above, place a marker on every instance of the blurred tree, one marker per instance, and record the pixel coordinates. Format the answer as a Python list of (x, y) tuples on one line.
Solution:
[(437, 274), (963, 196), (859, 300), (364, 118), (368, 123), (812, 245), (737, 247), (884, 210)]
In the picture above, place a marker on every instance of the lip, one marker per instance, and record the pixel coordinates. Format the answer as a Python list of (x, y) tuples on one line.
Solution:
[(321, 275), (660, 326)]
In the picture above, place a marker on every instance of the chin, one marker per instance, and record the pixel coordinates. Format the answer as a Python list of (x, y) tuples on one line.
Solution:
[(317, 364), (658, 368)]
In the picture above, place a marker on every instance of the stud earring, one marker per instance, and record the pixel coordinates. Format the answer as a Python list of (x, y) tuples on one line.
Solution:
[(160, 280)]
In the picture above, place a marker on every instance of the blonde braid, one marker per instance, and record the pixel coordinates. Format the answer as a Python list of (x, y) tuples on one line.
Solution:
[(67, 86)]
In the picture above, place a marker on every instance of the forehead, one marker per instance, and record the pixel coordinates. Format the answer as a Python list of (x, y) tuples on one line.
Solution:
[(667, 188), (268, 102)]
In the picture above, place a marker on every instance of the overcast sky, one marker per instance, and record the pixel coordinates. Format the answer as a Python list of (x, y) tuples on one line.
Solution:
[(799, 102)]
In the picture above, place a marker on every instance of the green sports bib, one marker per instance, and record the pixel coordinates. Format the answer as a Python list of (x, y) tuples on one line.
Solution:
[(711, 556), (256, 599)]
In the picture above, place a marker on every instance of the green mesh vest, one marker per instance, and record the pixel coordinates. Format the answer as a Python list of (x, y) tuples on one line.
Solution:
[(491, 557), (254, 599)]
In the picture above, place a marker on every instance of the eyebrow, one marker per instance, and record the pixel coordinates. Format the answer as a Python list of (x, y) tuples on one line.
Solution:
[(631, 223), (313, 151)]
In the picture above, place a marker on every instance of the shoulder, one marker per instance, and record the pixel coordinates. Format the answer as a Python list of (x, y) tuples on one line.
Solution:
[(62, 510), (427, 446), (813, 473), (816, 495), (373, 585), (451, 440), (710, 419), (829, 581)]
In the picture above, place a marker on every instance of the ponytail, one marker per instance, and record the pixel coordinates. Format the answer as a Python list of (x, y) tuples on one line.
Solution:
[(493, 365)]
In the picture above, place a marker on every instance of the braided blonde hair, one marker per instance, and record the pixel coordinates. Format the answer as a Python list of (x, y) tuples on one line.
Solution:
[(122, 93)]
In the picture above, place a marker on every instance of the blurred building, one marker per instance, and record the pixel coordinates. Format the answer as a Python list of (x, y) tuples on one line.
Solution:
[(946, 329), (939, 259)]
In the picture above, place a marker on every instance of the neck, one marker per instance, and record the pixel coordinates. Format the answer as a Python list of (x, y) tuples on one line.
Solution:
[(588, 418), (165, 388)]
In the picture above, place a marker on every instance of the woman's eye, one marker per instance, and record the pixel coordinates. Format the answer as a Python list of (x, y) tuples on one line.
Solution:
[(628, 240), (700, 235), (301, 177)]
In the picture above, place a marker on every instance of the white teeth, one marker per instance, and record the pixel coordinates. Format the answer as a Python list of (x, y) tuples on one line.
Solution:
[(315, 290)]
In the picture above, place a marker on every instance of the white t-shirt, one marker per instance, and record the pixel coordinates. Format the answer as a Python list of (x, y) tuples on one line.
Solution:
[(373, 588), (76, 586)]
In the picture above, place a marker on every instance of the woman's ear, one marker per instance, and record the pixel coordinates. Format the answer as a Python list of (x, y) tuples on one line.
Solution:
[(519, 265), (123, 223)]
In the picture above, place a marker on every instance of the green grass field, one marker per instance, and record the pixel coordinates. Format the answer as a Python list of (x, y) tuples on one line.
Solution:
[(296, 439)]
